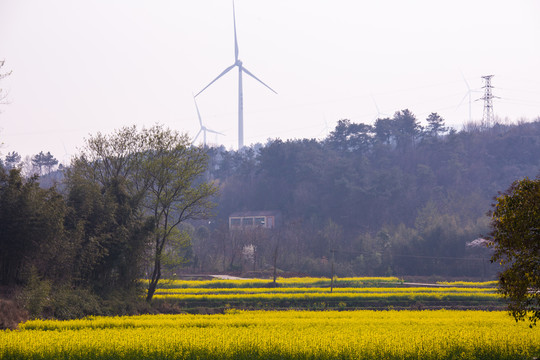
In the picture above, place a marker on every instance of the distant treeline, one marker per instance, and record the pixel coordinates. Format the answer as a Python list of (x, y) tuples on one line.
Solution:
[(393, 198)]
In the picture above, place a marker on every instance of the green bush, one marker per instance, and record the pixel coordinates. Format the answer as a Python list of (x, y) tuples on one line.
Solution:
[(36, 295), (68, 303)]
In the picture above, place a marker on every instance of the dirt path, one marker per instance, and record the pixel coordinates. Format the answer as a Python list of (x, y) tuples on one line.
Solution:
[(228, 277)]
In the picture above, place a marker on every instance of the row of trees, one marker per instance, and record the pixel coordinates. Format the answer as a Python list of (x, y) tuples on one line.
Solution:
[(408, 199), (113, 218), (39, 164), (394, 198), (402, 131)]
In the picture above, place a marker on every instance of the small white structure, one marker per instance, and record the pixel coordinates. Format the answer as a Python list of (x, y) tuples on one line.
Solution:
[(253, 219)]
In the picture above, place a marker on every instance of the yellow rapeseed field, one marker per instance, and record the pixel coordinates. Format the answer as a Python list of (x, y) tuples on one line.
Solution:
[(314, 290), (284, 282), (309, 293), (438, 334), (322, 296)]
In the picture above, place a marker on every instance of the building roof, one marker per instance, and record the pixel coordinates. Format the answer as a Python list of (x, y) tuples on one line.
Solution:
[(255, 213)]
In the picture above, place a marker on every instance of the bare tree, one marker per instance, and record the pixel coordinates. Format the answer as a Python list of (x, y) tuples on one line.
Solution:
[(3, 93)]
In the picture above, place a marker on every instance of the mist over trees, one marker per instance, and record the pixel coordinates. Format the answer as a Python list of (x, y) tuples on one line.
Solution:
[(409, 199)]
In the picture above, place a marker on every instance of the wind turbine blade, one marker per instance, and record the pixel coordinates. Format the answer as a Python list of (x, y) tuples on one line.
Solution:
[(220, 75), (196, 136), (376, 106), (235, 38), (198, 113), (466, 83), (256, 78), (214, 132), (462, 100)]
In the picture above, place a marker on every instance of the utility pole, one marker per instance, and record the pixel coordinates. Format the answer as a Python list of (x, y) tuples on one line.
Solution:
[(487, 119), (332, 279), (275, 258)]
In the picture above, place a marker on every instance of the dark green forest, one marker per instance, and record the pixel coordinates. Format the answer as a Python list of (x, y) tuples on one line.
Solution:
[(401, 197), (82, 245)]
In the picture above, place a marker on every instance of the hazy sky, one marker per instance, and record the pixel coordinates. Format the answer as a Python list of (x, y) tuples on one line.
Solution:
[(80, 67)]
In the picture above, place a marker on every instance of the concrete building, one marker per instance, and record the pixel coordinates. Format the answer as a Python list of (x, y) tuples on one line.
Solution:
[(254, 219)]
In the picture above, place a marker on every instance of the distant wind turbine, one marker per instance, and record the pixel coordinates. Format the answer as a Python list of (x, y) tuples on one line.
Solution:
[(66, 156), (241, 69), (379, 113), (467, 94), (326, 129), (203, 129)]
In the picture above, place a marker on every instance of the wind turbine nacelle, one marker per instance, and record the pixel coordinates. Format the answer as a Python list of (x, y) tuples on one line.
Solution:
[(238, 63)]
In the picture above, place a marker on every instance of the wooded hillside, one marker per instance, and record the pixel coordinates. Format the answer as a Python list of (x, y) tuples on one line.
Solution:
[(394, 198)]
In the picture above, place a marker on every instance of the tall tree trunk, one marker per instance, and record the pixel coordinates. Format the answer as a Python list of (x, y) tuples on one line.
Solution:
[(275, 264), (156, 275)]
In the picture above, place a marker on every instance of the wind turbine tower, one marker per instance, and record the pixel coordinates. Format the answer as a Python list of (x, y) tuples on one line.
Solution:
[(241, 69)]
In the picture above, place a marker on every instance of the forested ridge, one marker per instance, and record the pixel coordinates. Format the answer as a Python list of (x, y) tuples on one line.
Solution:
[(399, 198)]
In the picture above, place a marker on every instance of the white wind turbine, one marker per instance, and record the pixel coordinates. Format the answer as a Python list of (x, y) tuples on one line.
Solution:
[(203, 129), (467, 94), (380, 115), (241, 69), (325, 129), (67, 157)]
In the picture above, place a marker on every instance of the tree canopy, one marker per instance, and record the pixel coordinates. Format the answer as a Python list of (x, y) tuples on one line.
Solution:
[(410, 199), (31, 229), (157, 174), (44, 162), (392, 198), (516, 240), (115, 218)]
